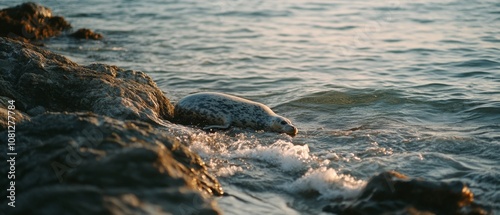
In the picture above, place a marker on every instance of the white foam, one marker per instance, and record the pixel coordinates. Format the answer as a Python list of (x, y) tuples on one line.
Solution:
[(207, 145), (228, 171), (288, 156), (284, 154), (200, 146), (327, 182)]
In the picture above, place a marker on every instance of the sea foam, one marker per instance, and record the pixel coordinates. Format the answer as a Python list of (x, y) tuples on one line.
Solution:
[(327, 182), (224, 152), (284, 154)]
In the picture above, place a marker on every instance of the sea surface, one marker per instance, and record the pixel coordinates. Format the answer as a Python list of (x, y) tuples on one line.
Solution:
[(411, 86)]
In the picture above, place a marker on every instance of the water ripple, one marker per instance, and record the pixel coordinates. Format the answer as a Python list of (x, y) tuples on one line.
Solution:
[(473, 74), (478, 63)]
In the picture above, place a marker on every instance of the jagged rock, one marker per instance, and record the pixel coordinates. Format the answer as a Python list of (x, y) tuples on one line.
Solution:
[(92, 140), (84, 33), (394, 193), (39, 81), (31, 21), (82, 163), (15, 115)]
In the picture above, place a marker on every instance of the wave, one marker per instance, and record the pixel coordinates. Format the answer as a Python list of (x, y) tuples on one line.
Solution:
[(328, 183), (482, 63), (350, 97), (256, 14), (414, 50), (473, 74)]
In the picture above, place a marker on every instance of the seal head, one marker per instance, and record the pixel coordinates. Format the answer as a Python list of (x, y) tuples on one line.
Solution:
[(283, 125)]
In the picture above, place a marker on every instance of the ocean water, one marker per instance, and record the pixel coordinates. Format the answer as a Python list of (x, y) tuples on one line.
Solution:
[(372, 86)]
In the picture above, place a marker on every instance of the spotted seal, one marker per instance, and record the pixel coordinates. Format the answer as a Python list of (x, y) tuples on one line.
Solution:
[(220, 111)]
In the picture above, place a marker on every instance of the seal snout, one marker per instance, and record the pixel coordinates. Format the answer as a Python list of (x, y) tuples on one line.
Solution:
[(292, 130), (283, 125)]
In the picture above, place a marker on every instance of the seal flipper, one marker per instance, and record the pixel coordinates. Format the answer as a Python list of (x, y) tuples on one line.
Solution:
[(226, 125)]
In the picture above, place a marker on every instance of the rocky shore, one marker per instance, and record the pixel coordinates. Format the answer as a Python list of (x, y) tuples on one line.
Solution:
[(97, 139), (89, 140)]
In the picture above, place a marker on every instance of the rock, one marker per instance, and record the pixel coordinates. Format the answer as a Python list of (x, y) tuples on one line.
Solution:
[(84, 33), (394, 193), (15, 115), (31, 21), (38, 79), (83, 163), (94, 140)]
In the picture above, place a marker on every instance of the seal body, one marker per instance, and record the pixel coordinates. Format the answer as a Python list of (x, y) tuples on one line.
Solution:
[(220, 111)]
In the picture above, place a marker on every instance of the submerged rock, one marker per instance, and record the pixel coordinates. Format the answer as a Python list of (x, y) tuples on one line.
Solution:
[(92, 140), (84, 33), (31, 21), (394, 193)]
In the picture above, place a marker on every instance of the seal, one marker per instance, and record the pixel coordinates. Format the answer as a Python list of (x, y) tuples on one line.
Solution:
[(221, 111)]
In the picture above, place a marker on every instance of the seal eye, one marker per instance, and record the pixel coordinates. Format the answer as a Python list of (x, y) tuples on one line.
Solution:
[(283, 122)]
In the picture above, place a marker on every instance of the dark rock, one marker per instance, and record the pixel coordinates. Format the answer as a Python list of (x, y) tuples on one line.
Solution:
[(84, 33), (30, 21), (38, 79), (15, 115), (82, 163), (94, 140), (394, 193)]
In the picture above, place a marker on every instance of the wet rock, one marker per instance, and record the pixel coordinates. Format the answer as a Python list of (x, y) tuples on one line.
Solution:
[(30, 21), (83, 163), (39, 81), (15, 115), (394, 193), (84, 33), (94, 140)]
